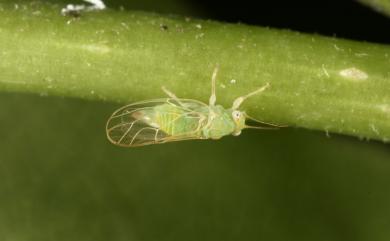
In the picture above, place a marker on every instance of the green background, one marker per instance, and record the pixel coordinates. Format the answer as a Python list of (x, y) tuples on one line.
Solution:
[(60, 179)]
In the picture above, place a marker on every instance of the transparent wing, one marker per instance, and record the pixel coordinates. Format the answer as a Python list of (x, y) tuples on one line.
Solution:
[(128, 127)]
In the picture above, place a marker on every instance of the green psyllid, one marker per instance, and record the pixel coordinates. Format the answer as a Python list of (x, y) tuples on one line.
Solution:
[(174, 119)]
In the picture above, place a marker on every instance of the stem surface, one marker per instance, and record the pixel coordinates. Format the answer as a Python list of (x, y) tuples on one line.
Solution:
[(316, 82)]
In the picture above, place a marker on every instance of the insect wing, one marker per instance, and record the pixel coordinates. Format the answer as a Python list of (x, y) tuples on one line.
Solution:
[(130, 127)]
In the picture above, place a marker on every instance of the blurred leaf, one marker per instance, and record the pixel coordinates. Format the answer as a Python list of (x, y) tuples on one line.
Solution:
[(60, 179), (381, 6)]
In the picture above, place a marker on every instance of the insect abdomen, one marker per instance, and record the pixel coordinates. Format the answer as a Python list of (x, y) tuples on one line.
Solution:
[(174, 120)]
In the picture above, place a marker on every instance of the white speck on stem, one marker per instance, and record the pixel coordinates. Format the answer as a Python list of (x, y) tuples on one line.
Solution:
[(337, 48), (198, 36), (75, 8), (48, 79), (233, 81), (374, 129), (384, 108), (361, 54), (96, 48), (198, 26), (325, 71), (353, 74), (99, 4), (125, 25), (223, 86)]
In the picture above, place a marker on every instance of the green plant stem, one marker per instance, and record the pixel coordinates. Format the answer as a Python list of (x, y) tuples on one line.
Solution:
[(124, 56)]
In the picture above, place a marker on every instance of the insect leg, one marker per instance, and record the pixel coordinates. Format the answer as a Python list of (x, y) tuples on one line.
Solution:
[(169, 93), (172, 95), (201, 120), (213, 96), (237, 102)]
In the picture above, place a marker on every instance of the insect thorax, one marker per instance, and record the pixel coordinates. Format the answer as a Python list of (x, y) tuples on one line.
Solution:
[(220, 123)]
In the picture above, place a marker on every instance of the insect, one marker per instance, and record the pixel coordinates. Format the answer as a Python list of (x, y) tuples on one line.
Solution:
[(174, 119)]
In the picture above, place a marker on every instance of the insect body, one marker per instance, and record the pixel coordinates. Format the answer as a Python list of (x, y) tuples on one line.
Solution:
[(174, 119)]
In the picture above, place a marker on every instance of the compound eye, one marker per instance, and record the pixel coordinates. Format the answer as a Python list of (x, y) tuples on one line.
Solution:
[(236, 115)]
